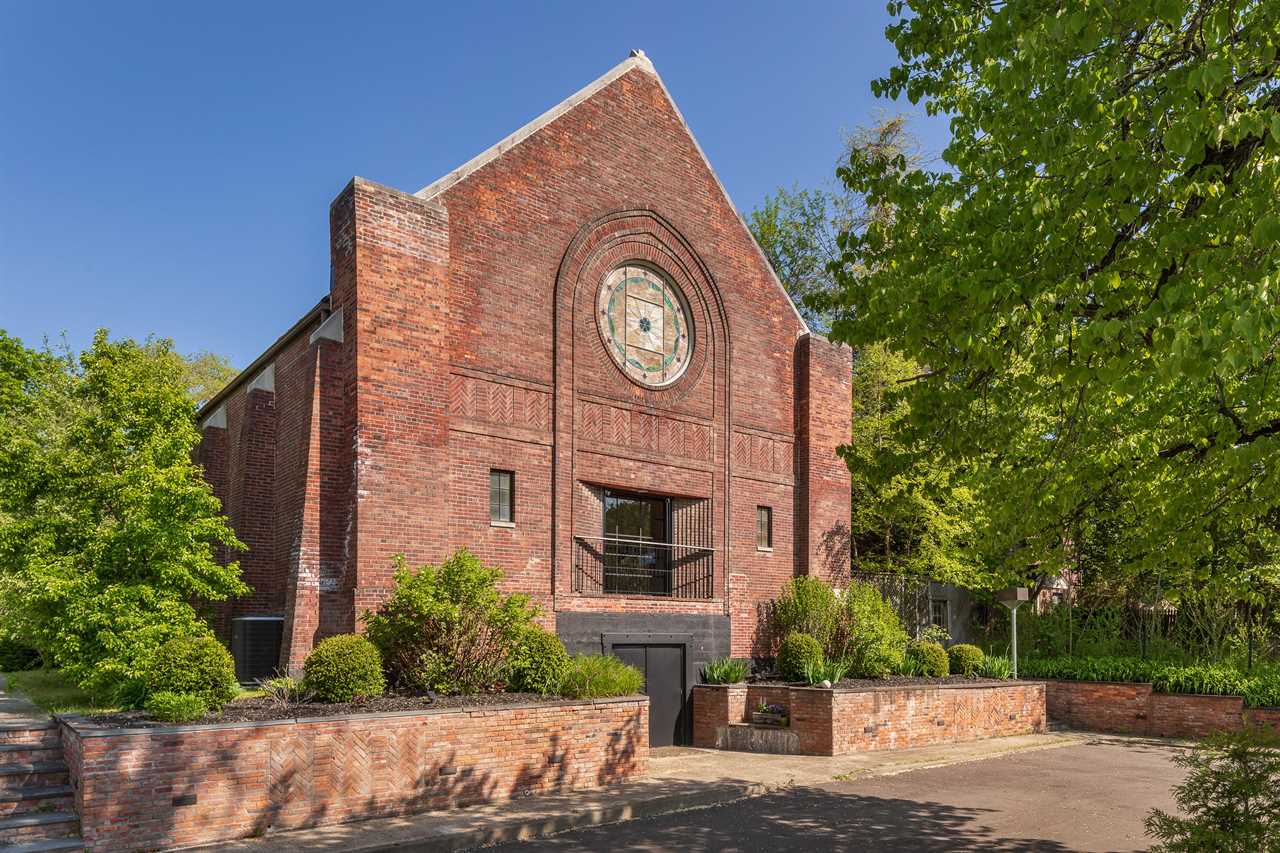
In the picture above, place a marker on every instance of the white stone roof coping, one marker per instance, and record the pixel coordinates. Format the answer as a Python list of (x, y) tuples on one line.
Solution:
[(637, 60)]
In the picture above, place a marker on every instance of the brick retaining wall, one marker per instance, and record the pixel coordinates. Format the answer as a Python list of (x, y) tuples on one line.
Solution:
[(1135, 708), (185, 785), (839, 722)]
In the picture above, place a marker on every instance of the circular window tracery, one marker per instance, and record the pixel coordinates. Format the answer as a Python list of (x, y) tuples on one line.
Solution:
[(644, 323)]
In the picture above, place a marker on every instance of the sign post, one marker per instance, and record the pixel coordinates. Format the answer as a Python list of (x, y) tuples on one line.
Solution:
[(1013, 598)]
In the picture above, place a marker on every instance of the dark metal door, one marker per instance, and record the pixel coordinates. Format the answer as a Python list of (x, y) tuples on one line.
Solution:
[(663, 668)]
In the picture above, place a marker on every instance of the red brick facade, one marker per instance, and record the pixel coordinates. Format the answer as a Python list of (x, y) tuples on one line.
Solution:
[(460, 335), (841, 722), (148, 790)]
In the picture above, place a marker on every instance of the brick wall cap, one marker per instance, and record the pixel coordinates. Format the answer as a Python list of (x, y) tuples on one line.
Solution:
[(82, 727), (880, 688)]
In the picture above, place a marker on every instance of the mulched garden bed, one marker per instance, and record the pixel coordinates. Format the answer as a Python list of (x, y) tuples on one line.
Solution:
[(891, 681), (265, 710)]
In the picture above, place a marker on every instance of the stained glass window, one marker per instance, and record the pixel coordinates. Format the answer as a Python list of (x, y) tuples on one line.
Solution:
[(644, 322)]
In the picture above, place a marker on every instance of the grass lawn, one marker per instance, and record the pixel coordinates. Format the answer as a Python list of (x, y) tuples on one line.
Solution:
[(54, 693), (57, 695)]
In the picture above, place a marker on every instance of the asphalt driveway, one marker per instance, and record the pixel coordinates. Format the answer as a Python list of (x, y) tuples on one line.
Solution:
[(1092, 796)]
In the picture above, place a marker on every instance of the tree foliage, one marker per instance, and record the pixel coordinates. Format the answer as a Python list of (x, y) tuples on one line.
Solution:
[(798, 229), (107, 529), (207, 373), (1090, 285)]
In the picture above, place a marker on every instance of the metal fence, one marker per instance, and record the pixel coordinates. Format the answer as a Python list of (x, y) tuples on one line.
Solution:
[(909, 595), (622, 566)]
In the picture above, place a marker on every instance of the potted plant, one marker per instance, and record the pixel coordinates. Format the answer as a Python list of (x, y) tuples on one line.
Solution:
[(770, 715)]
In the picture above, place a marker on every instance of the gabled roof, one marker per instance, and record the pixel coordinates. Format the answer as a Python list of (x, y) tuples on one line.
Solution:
[(638, 61)]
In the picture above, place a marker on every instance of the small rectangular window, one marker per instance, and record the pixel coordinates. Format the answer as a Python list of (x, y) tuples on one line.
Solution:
[(764, 528), (940, 613), (502, 497)]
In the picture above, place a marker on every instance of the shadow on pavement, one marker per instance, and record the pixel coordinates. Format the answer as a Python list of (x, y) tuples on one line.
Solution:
[(802, 819)]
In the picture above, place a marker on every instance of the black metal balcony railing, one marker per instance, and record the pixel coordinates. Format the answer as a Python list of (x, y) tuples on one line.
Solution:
[(622, 566)]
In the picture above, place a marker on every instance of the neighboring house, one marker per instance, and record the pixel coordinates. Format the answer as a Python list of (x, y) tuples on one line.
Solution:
[(569, 356)]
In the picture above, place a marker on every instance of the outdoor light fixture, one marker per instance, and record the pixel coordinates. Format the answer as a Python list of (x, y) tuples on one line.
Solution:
[(1013, 598)]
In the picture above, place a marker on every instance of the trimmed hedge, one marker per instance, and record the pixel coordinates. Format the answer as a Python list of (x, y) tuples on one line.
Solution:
[(537, 663), (930, 658), (798, 654), (1260, 690), (343, 668), (195, 666), (169, 707), (965, 659)]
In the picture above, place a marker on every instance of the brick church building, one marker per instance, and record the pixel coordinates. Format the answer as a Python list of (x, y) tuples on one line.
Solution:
[(569, 356)]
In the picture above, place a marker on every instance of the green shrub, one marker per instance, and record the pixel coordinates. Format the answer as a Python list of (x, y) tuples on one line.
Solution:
[(912, 666), (537, 663), (817, 672), (935, 634), (15, 657), (283, 690), (806, 605), (994, 666), (169, 707), (598, 677), (797, 653), (343, 668), (932, 658), (868, 635), (965, 659), (447, 628), (725, 671), (198, 666), (1229, 800)]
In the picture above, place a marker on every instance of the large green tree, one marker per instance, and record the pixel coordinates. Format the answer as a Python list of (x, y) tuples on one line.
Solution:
[(1091, 282), (107, 529)]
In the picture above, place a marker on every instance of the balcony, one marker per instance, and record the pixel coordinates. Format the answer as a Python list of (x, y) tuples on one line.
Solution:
[(625, 566)]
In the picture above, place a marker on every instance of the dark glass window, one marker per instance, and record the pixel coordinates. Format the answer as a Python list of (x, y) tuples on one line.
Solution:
[(940, 613), (502, 496), (637, 555), (764, 527)]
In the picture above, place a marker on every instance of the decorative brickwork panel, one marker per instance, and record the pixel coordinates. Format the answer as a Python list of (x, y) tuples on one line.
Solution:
[(492, 401), (248, 780)]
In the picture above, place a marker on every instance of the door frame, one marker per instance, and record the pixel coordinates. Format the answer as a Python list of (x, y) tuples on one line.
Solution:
[(608, 641)]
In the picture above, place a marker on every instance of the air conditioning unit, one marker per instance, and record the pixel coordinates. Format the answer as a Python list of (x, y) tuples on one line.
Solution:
[(255, 644)]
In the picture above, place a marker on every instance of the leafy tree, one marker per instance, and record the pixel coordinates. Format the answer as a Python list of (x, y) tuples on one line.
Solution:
[(798, 229), (912, 514), (107, 530), (206, 374), (1090, 286)]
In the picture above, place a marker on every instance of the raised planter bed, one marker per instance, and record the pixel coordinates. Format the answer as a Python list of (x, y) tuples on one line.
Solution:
[(843, 720), (1135, 708), (171, 786)]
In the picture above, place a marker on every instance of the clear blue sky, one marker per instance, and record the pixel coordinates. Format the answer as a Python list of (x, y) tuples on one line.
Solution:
[(167, 168)]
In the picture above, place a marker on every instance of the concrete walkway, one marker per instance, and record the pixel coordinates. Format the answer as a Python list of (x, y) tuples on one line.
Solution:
[(680, 779), (16, 709)]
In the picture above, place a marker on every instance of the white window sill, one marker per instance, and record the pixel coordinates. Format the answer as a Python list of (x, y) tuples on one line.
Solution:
[(760, 550), (502, 524)]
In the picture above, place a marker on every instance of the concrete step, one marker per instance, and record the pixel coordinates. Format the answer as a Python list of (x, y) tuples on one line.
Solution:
[(37, 826), (45, 845), (51, 798), (28, 732), (35, 775), (49, 749)]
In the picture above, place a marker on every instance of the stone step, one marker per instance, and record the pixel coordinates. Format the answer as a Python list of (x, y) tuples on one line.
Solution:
[(45, 845), (28, 732), (39, 825), (51, 798), (49, 749), (36, 775)]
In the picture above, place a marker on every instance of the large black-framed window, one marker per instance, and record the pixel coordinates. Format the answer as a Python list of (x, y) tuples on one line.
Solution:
[(637, 551), (502, 497)]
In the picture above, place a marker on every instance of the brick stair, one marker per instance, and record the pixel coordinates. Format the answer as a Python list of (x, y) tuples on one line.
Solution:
[(37, 807)]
